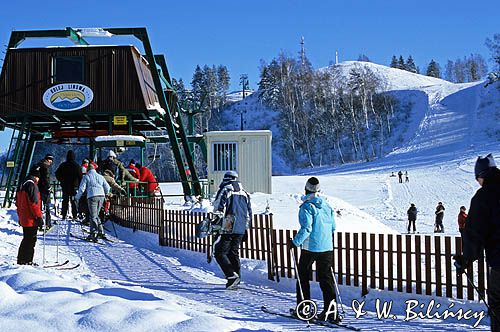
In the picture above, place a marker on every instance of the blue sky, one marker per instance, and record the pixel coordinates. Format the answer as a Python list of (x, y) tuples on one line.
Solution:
[(239, 34)]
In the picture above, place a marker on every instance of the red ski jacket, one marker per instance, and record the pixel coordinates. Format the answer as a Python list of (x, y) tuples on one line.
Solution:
[(147, 176), (28, 203)]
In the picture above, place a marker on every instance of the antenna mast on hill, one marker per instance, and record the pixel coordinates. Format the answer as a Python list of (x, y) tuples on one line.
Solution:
[(302, 51), (336, 57)]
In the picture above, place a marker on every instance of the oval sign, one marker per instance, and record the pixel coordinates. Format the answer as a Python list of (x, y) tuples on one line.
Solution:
[(68, 97)]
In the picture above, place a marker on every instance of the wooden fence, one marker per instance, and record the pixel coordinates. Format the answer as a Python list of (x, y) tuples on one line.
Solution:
[(420, 264), (178, 230), (144, 214)]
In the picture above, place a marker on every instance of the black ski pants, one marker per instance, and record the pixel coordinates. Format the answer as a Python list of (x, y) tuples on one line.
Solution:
[(494, 298), (227, 253), (410, 222), (325, 277), (27, 247), (67, 199)]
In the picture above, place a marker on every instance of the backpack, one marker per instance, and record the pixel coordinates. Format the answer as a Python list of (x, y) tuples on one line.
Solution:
[(208, 226)]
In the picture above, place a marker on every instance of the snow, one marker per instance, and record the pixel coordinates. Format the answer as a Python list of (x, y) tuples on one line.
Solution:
[(120, 138), (156, 107), (135, 285)]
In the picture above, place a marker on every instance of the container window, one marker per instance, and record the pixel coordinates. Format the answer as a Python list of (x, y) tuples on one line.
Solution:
[(225, 156), (68, 69)]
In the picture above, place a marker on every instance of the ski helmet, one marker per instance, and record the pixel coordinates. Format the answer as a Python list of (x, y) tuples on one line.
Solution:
[(230, 175)]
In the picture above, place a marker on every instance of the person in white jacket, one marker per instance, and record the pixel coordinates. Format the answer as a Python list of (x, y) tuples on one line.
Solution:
[(97, 188)]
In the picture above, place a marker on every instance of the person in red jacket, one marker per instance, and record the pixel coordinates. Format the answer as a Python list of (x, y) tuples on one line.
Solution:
[(147, 176), (29, 211), (462, 217), (132, 169)]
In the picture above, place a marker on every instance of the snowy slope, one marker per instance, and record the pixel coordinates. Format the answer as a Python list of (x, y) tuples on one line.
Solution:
[(135, 285)]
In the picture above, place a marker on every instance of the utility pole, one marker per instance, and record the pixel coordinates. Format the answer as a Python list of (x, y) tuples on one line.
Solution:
[(336, 57)]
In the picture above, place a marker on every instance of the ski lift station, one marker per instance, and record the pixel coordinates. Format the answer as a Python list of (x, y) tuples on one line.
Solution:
[(56, 94), (246, 152)]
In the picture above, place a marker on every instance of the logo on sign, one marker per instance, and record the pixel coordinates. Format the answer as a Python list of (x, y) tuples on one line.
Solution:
[(68, 97)]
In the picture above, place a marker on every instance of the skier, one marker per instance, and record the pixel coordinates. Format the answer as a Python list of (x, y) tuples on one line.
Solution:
[(483, 232), (400, 175), (44, 185), (150, 185), (439, 228), (29, 211), (134, 171), (412, 217), (110, 179), (232, 205), (69, 174), (97, 188), (407, 179), (317, 225), (108, 163), (462, 217)]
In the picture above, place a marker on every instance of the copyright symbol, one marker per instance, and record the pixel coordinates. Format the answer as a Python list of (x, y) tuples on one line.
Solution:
[(306, 310)]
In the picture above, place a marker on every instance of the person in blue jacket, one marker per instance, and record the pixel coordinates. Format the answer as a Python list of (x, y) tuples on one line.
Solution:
[(317, 225)]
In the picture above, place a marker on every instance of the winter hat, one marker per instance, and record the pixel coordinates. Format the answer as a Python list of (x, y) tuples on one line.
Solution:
[(90, 166), (139, 166), (312, 185), (49, 156), (412, 204), (35, 171), (463, 208), (111, 154), (483, 165), (70, 156), (230, 175), (132, 161)]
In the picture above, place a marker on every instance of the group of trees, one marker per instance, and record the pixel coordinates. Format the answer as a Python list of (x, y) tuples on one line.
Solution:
[(207, 96), (324, 116), (467, 69), (400, 63)]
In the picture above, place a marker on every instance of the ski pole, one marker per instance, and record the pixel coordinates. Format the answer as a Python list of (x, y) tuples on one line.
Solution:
[(43, 245), (297, 274), (492, 314), (57, 242), (338, 291)]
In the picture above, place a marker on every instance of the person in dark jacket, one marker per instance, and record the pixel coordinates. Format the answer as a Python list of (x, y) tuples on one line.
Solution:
[(400, 177), (232, 205), (69, 174), (108, 163), (44, 185), (462, 217), (29, 211), (439, 228), (482, 232), (412, 217), (317, 225)]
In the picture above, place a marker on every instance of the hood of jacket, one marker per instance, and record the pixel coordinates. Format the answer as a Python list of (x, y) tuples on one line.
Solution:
[(314, 199), (70, 156)]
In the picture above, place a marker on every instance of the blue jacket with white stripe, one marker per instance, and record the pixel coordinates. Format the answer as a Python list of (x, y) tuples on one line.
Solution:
[(235, 203)]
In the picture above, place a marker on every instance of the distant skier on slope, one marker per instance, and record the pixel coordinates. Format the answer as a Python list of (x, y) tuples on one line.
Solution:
[(232, 205), (317, 224), (412, 217), (483, 231), (400, 176), (439, 228)]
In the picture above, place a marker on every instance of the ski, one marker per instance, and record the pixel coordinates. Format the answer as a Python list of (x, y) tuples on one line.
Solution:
[(68, 267), (312, 321), (106, 239), (56, 265), (84, 239)]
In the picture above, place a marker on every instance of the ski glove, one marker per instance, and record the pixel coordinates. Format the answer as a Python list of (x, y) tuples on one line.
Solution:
[(39, 222), (291, 245), (460, 263)]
